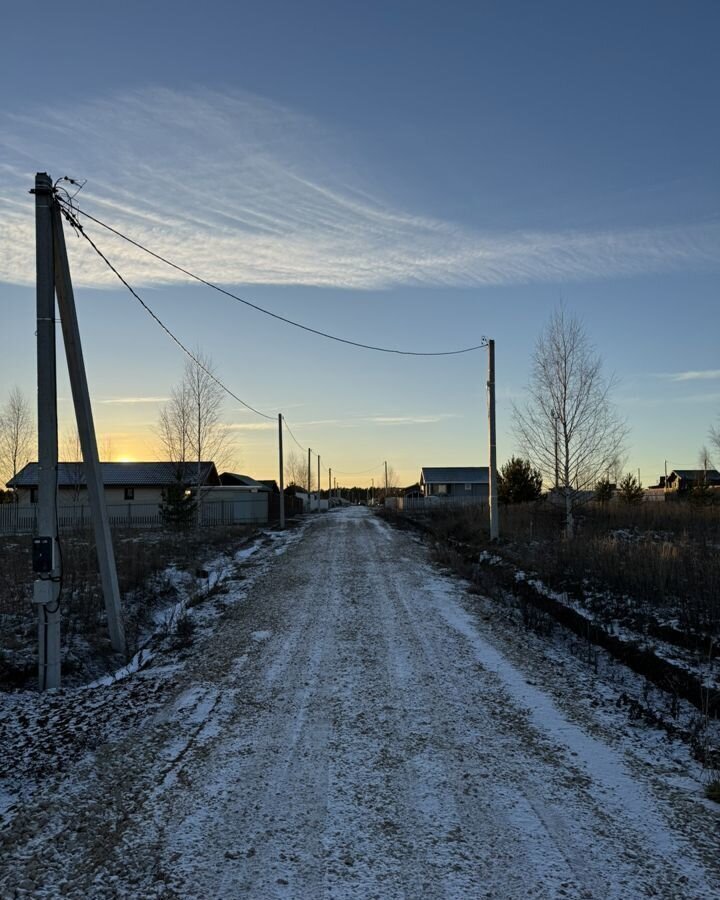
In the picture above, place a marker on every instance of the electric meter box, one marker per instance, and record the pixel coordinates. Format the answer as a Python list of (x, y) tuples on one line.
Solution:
[(42, 555)]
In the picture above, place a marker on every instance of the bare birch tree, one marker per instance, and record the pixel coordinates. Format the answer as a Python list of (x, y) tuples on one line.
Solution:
[(569, 427), (190, 428), (295, 468), (174, 428), (17, 434)]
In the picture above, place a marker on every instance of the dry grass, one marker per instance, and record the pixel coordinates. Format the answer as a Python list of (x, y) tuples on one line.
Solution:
[(140, 558), (651, 560)]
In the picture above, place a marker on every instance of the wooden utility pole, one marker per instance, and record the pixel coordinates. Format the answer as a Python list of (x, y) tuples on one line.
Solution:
[(329, 487), (318, 490), (86, 431), (47, 563), (492, 469), (282, 472)]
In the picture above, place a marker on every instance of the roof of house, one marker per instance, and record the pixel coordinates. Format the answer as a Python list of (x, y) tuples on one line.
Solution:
[(454, 475), (120, 474), (234, 478), (695, 474)]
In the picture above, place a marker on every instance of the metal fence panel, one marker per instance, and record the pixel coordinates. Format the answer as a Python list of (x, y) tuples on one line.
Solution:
[(245, 510)]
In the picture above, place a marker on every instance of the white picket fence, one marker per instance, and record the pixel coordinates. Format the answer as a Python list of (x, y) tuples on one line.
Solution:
[(246, 509)]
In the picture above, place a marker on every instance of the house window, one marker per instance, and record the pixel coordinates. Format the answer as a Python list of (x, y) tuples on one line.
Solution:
[(442, 489), (468, 487), (33, 495), (129, 493)]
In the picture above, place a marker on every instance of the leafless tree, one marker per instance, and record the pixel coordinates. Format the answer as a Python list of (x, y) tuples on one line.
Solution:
[(174, 428), (105, 448), (715, 438), (190, 429), (295, 468), (17, 434), (704, 461), (569, 427), (71, 454)]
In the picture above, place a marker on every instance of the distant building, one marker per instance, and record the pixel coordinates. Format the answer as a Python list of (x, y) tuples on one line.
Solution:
[(681, 481), (470, 483), (686, 479), (136, 482), (233, 479)]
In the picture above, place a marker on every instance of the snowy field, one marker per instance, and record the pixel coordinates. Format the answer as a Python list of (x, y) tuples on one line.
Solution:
[(348, 722)]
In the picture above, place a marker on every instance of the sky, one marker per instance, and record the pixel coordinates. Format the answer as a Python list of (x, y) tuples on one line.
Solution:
[(411, 174)]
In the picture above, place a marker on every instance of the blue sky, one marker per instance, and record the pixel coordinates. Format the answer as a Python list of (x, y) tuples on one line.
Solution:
[(413, 173)]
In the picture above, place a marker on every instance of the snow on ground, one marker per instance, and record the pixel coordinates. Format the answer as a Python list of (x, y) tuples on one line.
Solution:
[(358, 726)]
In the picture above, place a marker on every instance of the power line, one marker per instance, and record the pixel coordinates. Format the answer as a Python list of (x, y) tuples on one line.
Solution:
[(363, 472), (76, 225), (267, 312), (69, 211), (304, 449)]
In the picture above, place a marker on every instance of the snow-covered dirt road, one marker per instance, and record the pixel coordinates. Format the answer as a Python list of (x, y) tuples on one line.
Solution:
[(356, 728)]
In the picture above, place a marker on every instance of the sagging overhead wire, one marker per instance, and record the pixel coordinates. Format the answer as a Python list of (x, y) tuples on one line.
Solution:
[(66, 211), (75, 211), (363, 472), (289, 430)]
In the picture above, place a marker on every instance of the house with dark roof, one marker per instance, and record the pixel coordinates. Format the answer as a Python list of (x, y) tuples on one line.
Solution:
[(234, 479), (681, 480), (469, 483), (125, 482)]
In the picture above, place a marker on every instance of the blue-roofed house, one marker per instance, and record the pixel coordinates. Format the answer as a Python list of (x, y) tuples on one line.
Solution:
[(468, 483)]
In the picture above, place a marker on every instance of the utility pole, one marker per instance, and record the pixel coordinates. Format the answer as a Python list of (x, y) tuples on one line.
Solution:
[(329, 487), (492, 470), (281, 473), (386, 483), (47, 564), (309, 481), (318, 490), (86, 431)]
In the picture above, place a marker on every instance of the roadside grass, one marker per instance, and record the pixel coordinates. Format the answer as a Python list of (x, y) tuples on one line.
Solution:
[(651, 561), (142, 560)]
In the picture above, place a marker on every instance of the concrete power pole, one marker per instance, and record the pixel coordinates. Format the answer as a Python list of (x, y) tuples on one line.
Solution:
[(492, 469), (281, 473), (309, 481), (46, 551), (86, 431)]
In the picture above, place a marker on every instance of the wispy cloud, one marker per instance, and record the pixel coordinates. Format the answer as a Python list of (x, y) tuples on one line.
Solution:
[(132, 400), (410, 420), (251, 426), (692, 375), (242, 190)]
